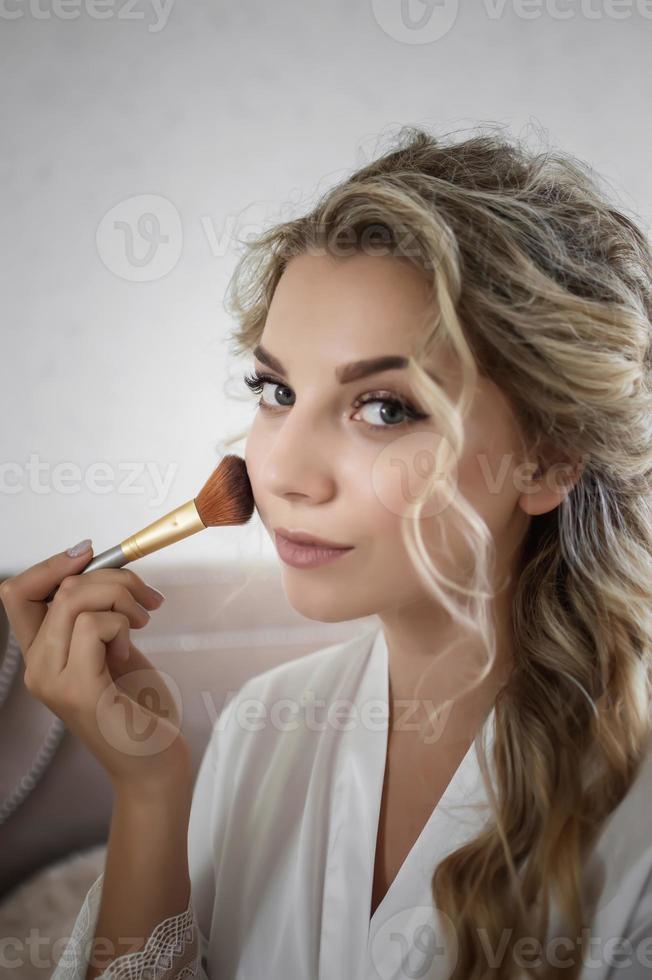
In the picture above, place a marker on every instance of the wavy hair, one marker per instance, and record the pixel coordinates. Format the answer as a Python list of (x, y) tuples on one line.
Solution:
[(545, 287)]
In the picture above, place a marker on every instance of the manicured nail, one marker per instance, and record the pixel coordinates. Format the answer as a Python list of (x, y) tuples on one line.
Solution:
[(158, 594), (80, 548)]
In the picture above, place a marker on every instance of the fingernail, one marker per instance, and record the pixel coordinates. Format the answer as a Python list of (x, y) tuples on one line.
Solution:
[(80, 548), (159, 595)]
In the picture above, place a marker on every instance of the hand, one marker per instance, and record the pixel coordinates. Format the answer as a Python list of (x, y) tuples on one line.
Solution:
[(80, 662)]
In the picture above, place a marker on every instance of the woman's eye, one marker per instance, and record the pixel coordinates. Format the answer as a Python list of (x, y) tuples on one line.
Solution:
[(387, 411), (382, 413), (258, 382), (382, 409), (274, 400)]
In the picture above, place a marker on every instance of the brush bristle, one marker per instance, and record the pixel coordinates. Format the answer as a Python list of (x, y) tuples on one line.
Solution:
[(226, 497)]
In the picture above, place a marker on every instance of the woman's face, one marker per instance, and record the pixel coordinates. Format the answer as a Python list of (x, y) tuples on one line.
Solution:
[(322, 463)]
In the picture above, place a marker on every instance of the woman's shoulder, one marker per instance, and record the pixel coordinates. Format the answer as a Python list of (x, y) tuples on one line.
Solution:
[(625, 840), (638, 799), (619, 869), (270, 699)]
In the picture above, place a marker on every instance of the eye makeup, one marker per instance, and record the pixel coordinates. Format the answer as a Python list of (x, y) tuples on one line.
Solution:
[(257, 380)]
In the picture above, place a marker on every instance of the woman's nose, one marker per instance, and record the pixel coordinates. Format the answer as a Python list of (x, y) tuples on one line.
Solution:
[(300, 459)]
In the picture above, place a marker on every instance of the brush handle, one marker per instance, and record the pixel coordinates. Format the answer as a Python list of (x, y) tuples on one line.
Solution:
[(175, 526), (111, 558)]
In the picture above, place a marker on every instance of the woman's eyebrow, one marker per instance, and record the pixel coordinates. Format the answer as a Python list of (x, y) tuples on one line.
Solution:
[(345, 372)]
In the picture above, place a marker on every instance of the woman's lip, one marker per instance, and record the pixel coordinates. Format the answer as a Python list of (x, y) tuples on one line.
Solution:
[(306, 556), (304, 538)]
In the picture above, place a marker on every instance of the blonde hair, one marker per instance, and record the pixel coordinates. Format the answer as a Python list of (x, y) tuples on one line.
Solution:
[(544, 287)]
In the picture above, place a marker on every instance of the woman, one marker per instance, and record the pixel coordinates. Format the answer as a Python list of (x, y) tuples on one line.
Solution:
[(452, 358)]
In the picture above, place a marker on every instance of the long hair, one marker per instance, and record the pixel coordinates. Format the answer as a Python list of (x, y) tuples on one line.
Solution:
[(545, 287)]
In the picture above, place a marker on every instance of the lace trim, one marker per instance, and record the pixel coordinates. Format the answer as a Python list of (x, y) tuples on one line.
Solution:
[(172, 951)]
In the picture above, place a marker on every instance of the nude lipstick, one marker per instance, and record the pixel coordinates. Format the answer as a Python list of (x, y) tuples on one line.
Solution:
[(300, 554)]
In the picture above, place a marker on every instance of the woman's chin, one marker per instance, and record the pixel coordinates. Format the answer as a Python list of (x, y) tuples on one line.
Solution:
[(332, 603)]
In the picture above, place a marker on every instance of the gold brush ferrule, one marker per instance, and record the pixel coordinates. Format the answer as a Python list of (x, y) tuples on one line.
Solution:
[(178, 524)]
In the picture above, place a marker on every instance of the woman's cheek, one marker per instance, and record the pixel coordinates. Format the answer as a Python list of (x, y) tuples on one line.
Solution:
[(411, 465), (254, 460)]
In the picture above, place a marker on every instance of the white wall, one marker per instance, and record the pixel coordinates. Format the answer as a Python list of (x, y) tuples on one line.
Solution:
[(229, 112)]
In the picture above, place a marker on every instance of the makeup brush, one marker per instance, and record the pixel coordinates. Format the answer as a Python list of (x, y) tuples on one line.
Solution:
[(225, 498)]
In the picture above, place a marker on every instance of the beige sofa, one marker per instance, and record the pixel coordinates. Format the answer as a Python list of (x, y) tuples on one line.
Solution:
[(219, 626)]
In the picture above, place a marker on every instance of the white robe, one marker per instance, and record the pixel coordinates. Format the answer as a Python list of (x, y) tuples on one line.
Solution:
[(282, 839)]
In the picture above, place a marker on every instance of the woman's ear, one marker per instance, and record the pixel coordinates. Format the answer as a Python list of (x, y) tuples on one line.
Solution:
[(550, 484)]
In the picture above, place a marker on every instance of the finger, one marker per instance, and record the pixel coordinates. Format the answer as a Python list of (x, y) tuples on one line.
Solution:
[(88, 665), (129, 716), (49, 657), (147, 596), (147, 687), (135, 661), (93, 631), (23, 595)]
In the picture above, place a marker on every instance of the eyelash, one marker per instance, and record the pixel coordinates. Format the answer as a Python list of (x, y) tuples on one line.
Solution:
[(256, 381)]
